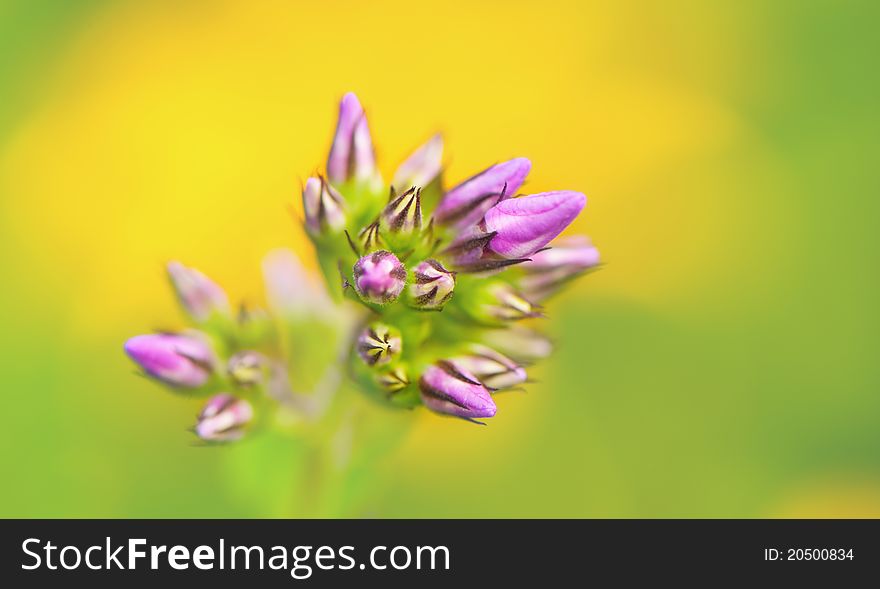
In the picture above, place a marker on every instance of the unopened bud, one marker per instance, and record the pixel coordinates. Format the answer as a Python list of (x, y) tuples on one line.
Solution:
[(378, 343), (176, 360), (324, 207), (493, 369), (393, 381), (379, 277), (432, 285), (199, 295), (224, 418), (520, 343), (450, 389), (404, 213), (247, 368), (509, 305)]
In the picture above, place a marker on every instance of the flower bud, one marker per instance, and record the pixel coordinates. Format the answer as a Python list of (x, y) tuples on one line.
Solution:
[(433, 285), (177, 360), (351, 155), (224, 418), (323, 206), (492, 369), (550, 269), (247, 367), (378, 343), (379, 277), (404, 213), (466, 204), (199, 295), (524, 225), (393, 381), (506, 304), (421, 167), (449, 389), (520, 343)]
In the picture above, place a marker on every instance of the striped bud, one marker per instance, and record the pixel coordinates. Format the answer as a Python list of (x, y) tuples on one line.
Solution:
[(393, 381), (324, 207), (493, 369), (378, 343), (509, 305), (379, 277), (432, 285), (247, 368), (224, 419), (404, 213), (450, 389)]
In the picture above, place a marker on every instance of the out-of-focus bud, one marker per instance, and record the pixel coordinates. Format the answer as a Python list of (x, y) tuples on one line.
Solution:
[(506, 304), (378, 343), (199, 295), (351, 156), (247, 368), (421, 167), (524, 225), (224, 418), (550, 269), (379, 277), (520, 343), (177, 360), (466, 204), (404, 213), (324, 207), (433, 285), (393, 381), (450, 389), (493, 369)]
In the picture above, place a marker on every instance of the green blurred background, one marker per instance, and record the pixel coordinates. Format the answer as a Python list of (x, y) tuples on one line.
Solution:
[(723, 363)]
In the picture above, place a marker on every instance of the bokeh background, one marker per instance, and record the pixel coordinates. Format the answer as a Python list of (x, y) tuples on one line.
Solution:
[(724, 363)]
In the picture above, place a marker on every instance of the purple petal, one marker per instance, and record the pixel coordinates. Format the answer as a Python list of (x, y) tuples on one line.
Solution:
[(525, 225), (466, 204)]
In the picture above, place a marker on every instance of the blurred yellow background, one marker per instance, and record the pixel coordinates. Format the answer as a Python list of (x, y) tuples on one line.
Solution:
[(723, 363)]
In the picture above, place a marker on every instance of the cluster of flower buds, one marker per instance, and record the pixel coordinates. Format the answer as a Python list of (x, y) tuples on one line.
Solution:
[(443, 280)]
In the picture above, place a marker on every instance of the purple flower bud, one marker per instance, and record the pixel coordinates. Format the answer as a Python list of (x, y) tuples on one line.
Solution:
[(177, 360), (421, 167), (378, 343), (466, 204), (323, 205), (404, 212), (432, 286), (520, 343), (379, 277), (247, 367), (452, 390), (525, 225), (224, 418), (493, 369), (351, 156), (550, 269), (198, 294)]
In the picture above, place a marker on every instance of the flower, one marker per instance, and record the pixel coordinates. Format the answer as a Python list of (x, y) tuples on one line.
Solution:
[(450, 389), (177, 360), (524, 225), (223, 419), (466, 204), (351, 156), (432, 286), (379, 277), (199, 295), (452, 274)]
